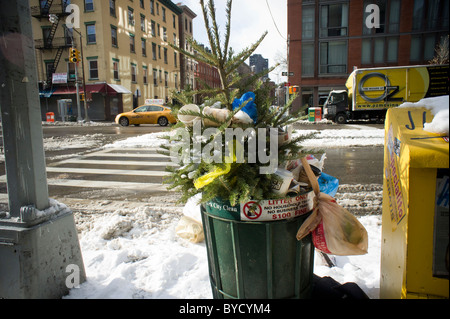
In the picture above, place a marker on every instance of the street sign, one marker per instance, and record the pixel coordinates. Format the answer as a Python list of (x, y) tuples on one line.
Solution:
[(59, 78), (284, 73), (291, 73), (287, 73)]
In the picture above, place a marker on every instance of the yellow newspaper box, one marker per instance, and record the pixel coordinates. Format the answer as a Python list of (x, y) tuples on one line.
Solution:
[(415, 229)]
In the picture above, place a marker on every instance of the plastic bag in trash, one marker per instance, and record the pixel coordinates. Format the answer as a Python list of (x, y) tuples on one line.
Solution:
[(190, 225), (190, 229), (334, 230), (328, 184)]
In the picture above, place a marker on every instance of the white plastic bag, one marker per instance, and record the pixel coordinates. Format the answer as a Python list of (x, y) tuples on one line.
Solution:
[(334, 230), (190, 226)]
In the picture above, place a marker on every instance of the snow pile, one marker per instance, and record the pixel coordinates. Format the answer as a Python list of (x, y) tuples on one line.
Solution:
[(342, 138), (439, 107), (152, 140), (136, 254), (56, 143)]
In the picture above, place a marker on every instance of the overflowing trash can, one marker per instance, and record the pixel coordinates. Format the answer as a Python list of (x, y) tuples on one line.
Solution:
[(252, 259)]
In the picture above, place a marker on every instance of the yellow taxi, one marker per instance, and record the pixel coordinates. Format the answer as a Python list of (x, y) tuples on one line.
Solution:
[(147, 114)]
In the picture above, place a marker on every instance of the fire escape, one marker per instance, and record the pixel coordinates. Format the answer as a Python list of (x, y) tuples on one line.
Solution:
[(52, 12)]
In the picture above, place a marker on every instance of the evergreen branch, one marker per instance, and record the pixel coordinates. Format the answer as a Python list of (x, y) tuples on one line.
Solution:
[(212, 13), (227, 28), (208, 28)]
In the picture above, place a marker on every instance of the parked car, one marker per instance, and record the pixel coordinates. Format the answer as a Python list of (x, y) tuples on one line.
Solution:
[(147, 114)]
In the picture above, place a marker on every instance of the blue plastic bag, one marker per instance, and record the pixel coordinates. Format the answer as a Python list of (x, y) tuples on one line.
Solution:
[(249, 108), (328, 184)]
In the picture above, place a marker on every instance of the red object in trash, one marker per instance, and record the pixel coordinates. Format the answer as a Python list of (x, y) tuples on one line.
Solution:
[(50, 117)]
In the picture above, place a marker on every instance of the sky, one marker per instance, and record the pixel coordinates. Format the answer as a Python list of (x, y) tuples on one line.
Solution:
[(249, 20)]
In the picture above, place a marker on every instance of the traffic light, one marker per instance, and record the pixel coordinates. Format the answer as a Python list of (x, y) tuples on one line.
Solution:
[(74, 56), (293, 89)]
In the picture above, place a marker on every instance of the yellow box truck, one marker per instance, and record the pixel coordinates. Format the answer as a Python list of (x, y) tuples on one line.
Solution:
[(370, 92)]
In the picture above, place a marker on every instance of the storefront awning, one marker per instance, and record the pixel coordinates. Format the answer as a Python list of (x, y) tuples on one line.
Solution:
[(93, 88), (118, 89)]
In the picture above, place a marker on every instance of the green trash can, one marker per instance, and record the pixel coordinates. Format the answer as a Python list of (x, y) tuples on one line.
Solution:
[(312, 114), (256, 260)]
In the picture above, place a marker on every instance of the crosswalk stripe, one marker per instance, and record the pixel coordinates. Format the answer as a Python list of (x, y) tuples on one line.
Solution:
[(126, 158), (123, 162), (106, 171), (107, 184)]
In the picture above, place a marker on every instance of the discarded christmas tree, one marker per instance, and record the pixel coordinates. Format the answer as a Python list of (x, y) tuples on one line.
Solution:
[(212, 163)]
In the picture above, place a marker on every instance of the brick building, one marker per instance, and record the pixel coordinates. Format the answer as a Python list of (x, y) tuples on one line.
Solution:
[(328, 39)]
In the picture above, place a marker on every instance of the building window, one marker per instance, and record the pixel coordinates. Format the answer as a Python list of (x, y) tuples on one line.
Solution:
[(174, 21), (155, 77), (164, 34), (132, 43), (165, 56), (112, 8), (394, 16), (418, 12), (366, 51), (88, 5), (159, 52), (378, 53), (333, 57), (91, 35), (71, 71), (175, 58), (49, 68), (333, 20), (176, 81), (93, 70), (308, 23), (68, 36), (175, 39), (142, 22), (154, 51), (308, 59), (133, 73), (164, 14), (152, 7), (153, 24), (145, 71), (160, 76), (166, 79), (144, 47), (392, 50), (416, 43), (141, 2), (130, 16), (116, 70), (114, 36)]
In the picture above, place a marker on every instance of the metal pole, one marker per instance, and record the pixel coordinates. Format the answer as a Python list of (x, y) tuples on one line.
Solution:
[(21, 110), (79, 118), (86, 115), (287, 62)]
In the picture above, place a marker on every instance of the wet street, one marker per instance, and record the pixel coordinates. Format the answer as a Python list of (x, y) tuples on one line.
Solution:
[(83, 169)]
